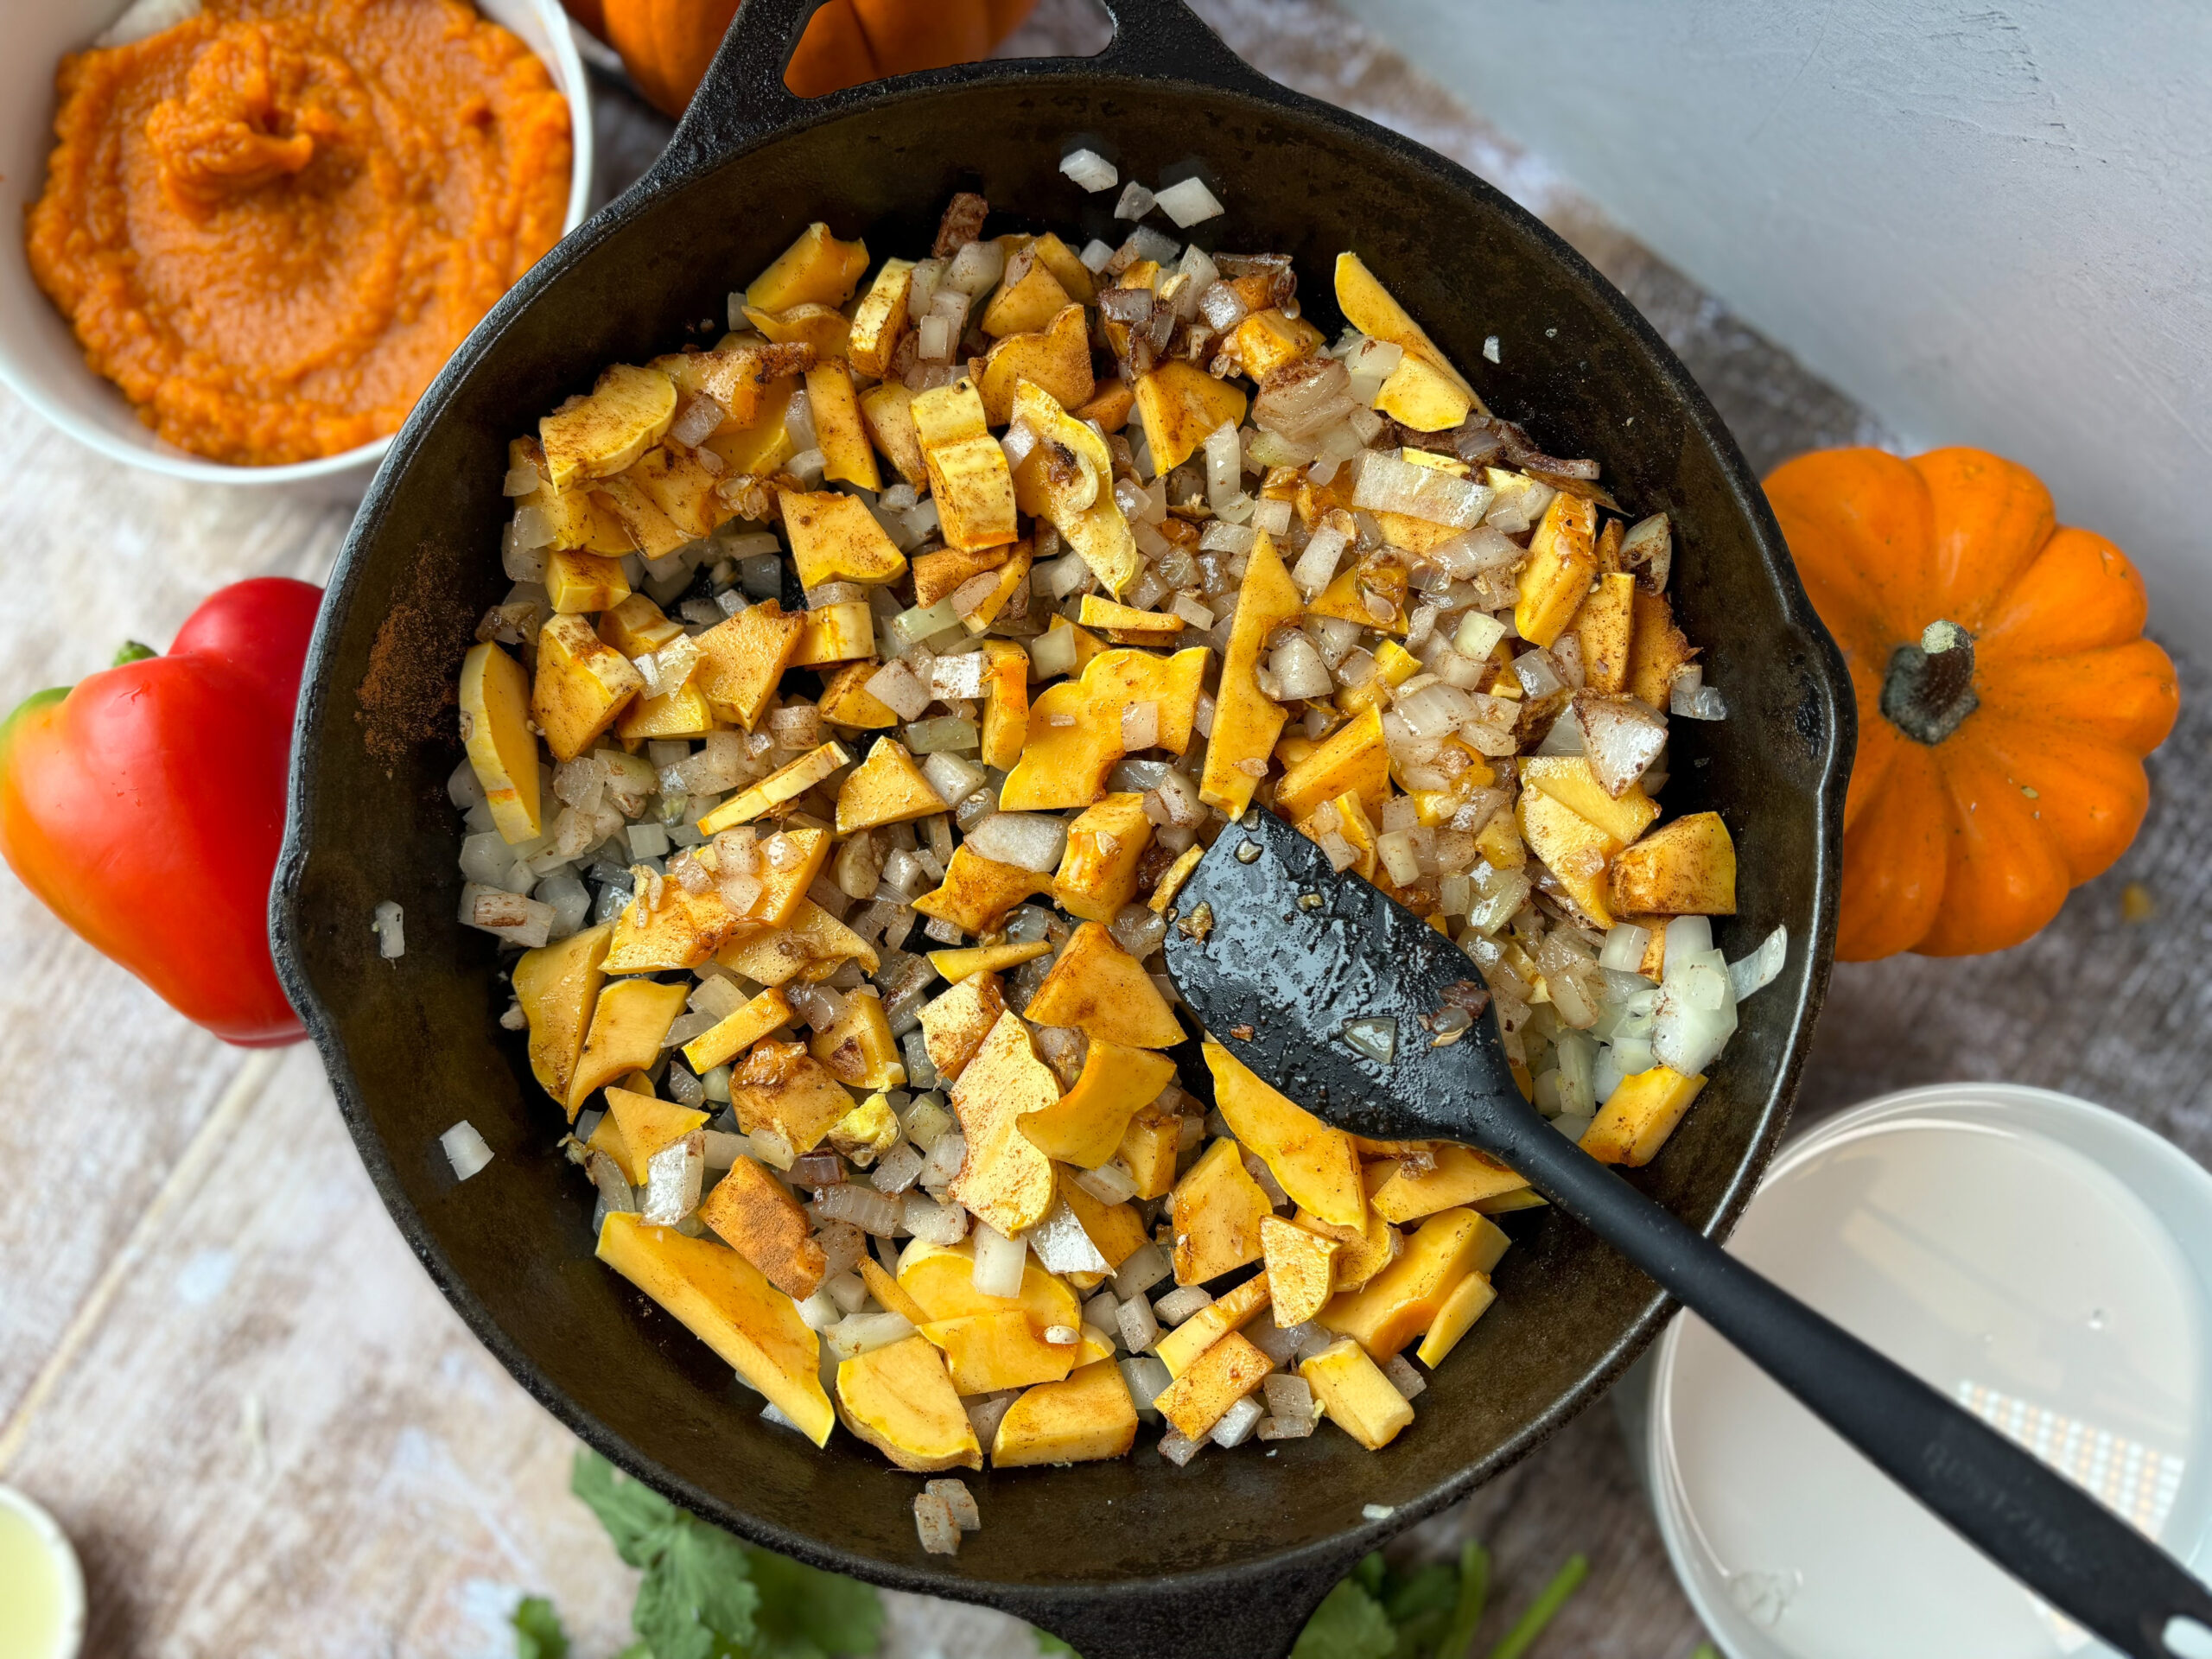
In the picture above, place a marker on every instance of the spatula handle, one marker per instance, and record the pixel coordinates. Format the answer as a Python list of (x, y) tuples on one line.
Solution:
[(2039, 1526)]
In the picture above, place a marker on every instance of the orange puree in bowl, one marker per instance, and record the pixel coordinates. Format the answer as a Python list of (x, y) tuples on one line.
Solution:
[(270, 224)]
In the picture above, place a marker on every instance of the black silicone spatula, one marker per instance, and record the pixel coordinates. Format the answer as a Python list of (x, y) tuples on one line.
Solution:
[(1279, 956)]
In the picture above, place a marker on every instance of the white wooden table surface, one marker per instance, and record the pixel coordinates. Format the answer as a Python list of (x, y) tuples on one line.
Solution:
[(223, 1371)]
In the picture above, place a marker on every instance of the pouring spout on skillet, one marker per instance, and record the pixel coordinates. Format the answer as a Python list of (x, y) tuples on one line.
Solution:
[(1328, 988)]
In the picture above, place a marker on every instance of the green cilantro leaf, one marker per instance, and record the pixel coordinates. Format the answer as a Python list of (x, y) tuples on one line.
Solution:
[(704, 1584), (1420, 1606), (1349, 1623), (1047, 1643), (636, 1517), (538, 1634), (805, 1613)]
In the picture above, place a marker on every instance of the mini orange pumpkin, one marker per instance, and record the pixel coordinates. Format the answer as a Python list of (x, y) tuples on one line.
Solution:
[(2007, 696), (666, 45)]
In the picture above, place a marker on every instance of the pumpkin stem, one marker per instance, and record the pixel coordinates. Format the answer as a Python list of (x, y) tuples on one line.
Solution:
[(1930, 687)]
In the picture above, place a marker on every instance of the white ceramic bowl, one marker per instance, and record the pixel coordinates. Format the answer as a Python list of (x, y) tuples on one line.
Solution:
[(69, 1635), (2040, 1259), (40, 358)]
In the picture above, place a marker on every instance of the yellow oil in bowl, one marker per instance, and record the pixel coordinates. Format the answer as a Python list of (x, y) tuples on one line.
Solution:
[(41, 1596)]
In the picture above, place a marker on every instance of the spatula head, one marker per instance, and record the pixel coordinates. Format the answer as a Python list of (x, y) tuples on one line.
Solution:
[(1337, 994)]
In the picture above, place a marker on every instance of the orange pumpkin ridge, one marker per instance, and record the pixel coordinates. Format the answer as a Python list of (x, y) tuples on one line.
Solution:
[(2006, 695)]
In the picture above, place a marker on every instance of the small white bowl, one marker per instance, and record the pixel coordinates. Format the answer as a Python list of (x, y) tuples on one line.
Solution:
[(40, 358), (69, 1638)]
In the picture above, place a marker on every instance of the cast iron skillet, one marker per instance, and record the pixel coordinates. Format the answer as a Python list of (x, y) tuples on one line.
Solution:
[(1134, 1557)]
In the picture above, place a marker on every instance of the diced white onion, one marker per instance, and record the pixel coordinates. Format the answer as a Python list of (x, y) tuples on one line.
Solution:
[(1759, 969), (1089, 170), (1188, 203), (465, 1149), (1028, 840), (999, 1262)]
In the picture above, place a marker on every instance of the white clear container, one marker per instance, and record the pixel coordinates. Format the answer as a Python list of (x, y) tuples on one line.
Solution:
[(2043, 1261)]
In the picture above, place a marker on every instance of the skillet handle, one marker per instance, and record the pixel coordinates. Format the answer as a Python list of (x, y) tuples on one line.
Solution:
[(1233, 1615), (743, 97), (2032, 1522)]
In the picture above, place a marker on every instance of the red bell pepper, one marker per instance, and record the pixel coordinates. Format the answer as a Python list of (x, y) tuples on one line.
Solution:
[(146, 805)]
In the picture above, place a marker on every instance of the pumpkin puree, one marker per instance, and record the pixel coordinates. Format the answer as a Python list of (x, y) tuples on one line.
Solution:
[(271, 223)]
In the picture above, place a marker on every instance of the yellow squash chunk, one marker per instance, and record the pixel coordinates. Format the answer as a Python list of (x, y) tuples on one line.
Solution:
[(977, 892), (967, 471), (1218, 1209), (1004, 1179), (1098, 873), (823, 329), (684, 491), (1605, 628), (628, 1024), (1347, 819), (557, 985), (1379, 578), (502, 750), (1401, 1301), (1104, 992), (886, 788), (649, 1128), (577, 581), (575, 521), (845, 699), (1086, 1418), (834, 634), (1149, 1147), (989, 1352), (599, 435), (834, 539), (869, 1131), (817, 269), (809, 943), (1012, 576), (881, 318), (752, 381), (1068, 479), (954, 1025), (637, 627), (901, 1400), (1301, 1269), (1180, 405), (1419, 395), (1657, 650), (682, 713), (685, 929), (1029, 297), (1684, 869), (737, 1031), (1246, 721), (726, 1302), (1639, 1114), (650, 531), (857, 1048), (1057, 358), (1568, 779), (1067, 265), (760, 444), (1461, 1176), (1352, 760), (1369, 307), (1230, 1312), (937, 574), (839, 433), (742, 660), (1110, 405), (785, 784), (1562, 562), (940, 1281), (1116, 1229), (780, 1086), (1145, 273), (1219, 1377), (1006, 703), (1394, 666), (889, 1293), (1571, 846), (1066, 765), (1468, 1301), (1267, 339), (581, 685), (608, 1138), (1501, 845), (1317, 1165), (954, 965), (1365, 1253), (1356, 1396), (889, 411), (1085, 1127), (1126, 625)]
